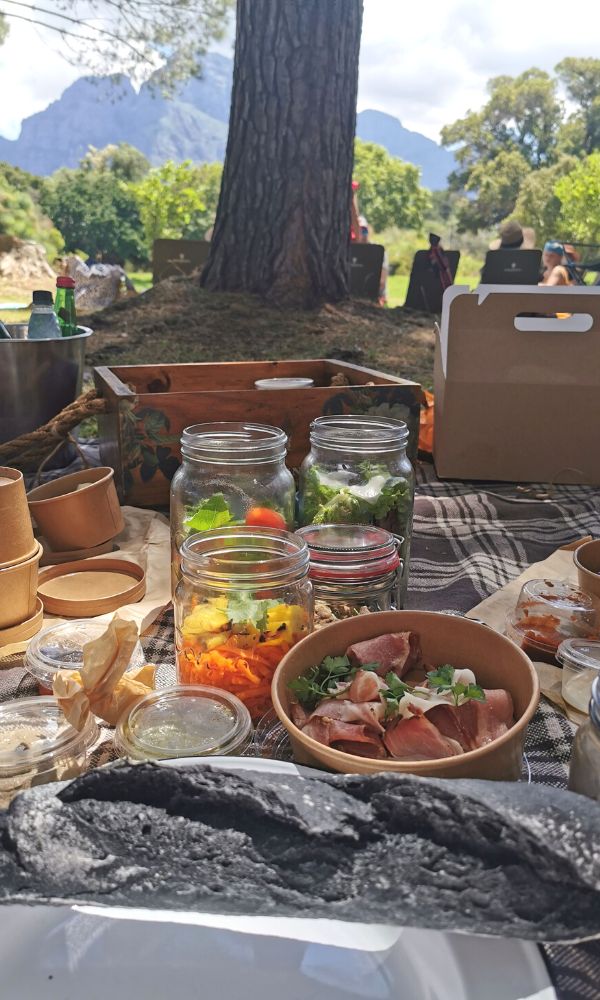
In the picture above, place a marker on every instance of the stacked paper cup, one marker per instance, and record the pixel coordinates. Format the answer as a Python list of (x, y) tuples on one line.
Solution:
[(20, 554)]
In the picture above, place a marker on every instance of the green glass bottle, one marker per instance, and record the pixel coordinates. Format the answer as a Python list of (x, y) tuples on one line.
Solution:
[(64, 305)]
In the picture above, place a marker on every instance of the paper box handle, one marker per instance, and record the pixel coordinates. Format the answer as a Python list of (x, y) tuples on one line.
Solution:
[(558, 323)]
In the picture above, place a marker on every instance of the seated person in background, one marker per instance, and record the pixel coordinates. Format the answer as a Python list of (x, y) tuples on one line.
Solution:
[(511, 236), (363, 237), (554, 270)]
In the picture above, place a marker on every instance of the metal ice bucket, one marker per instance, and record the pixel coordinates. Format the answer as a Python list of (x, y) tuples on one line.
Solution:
[(38, 378)]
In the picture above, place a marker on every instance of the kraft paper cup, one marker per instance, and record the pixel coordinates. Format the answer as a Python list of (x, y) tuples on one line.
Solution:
[(18, 590), (587, 561), (16, 533), (78, 511)]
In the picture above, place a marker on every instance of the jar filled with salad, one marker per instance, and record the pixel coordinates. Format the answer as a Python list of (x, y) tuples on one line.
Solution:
[(231, 474), (243, 600), (358, 472)]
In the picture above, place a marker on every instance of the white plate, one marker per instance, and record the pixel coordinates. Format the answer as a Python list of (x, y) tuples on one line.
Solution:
[(119, 954)]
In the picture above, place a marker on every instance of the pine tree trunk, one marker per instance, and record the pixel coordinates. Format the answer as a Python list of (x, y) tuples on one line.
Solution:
[(283, 220)]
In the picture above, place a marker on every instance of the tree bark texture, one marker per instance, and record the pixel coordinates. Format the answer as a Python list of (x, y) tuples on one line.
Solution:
[(283, 220)]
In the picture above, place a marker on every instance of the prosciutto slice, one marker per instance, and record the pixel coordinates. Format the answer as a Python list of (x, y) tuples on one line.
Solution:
[(476, 723), (333, 731), (397, 652), (366, 686), (370, 713), (418, 739)]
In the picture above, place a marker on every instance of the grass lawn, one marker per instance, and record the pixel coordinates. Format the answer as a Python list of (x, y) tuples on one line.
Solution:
[(142, 280)]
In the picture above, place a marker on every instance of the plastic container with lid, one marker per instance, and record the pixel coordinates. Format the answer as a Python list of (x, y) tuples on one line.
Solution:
[(187, 721), (353, 567), (243, 600), (358, 472), (580, 662), (60, 647), (548, 612), (584, 774), (38, 745), (230, 472)]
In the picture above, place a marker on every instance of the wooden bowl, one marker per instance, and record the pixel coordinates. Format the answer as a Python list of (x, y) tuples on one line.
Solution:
[(587, 561), (496, 661), (73, 518), (16, 533)]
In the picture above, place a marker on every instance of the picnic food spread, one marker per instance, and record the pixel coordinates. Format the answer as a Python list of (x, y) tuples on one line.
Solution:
[(379, 700), (243, 595)]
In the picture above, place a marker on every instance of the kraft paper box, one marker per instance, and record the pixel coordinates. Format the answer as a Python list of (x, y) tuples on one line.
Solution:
[(517, 396)]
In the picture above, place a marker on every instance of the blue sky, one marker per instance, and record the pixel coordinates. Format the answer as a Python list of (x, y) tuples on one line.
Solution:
[(425, 63)]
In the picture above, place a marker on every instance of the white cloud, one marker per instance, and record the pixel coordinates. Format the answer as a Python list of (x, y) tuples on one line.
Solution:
[(426, 62)]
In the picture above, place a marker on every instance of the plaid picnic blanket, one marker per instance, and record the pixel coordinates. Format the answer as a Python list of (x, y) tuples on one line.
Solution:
[(469, 540)]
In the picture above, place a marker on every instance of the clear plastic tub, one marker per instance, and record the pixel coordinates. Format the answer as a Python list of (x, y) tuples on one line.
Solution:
[(548, 612), (190, 721), (60, 647), (580, 660), (38, 745)]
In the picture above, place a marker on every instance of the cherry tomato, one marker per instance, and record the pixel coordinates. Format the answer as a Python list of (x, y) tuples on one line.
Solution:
[(264, 517)]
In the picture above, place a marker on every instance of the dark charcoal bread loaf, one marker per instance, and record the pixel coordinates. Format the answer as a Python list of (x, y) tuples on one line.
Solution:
[(475, 856)]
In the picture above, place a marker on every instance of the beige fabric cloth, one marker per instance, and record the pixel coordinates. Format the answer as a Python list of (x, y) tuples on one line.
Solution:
[(493, 611)]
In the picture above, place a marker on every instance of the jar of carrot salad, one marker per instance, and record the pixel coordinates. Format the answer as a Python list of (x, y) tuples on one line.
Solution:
[(243, 600)]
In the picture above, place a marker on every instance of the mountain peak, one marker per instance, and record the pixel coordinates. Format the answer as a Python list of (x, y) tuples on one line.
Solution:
[(192, 124), (435, 161)]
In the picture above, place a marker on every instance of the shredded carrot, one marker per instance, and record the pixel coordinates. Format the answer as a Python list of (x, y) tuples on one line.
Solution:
[(247, 673)]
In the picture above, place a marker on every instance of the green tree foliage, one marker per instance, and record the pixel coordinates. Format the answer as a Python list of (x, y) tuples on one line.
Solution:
[(581, 79), (497, 185), (134, 33), (538, 204), (579, 194), (20, 213), (524, 125), (177, 200), (95, 211), (122, 160), (390, 193)]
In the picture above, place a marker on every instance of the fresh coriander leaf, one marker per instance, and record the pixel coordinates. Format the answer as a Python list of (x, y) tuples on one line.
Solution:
[(397, 687), (373, 667), (472, 692), (336, 664), (442, 678)]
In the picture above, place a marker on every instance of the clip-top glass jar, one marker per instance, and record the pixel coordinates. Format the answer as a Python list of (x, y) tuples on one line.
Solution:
[(584, 775), (353, 567), (358, 472), (243, 600), (231, 474)]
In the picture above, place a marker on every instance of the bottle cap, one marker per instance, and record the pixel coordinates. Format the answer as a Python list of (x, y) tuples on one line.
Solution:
[(42, 298), (64, 281)]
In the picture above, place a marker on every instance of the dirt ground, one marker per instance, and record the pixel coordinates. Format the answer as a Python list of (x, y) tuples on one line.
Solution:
[(178, 321)]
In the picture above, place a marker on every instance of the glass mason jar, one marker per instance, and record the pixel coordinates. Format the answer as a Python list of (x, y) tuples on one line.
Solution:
[(243, 600), (231, 474), (584, 775), (353, 567), (358, 472)]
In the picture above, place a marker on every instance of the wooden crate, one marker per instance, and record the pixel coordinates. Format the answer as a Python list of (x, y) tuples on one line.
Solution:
[(149, 405)]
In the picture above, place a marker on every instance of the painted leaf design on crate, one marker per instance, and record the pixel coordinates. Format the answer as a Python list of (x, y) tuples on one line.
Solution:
[(147, 445)]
